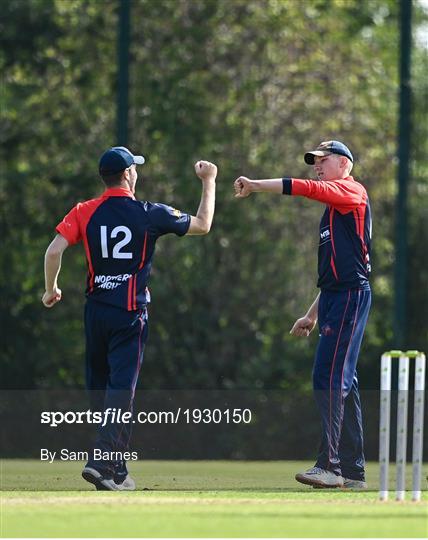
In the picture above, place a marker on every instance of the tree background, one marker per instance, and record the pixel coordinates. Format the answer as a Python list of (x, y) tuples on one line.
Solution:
[(250, 85)]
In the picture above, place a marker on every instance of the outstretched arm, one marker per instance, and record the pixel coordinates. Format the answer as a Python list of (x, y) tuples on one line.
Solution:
[(245, 186), (304, 326), (201, 223), (344, 194), (53, 258)]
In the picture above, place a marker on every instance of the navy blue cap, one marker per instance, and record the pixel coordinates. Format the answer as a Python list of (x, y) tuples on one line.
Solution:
[(117, 159), (328, 147)]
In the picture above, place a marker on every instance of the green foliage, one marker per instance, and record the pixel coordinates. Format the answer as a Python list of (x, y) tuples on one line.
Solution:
[(248, 84)]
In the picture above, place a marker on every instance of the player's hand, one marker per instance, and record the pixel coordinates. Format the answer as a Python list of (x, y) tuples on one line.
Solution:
[(303, 327), (243, 187), (206, 170), (50, 298)]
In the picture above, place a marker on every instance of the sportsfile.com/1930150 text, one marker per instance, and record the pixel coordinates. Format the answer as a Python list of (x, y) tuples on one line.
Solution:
[(119, 416)]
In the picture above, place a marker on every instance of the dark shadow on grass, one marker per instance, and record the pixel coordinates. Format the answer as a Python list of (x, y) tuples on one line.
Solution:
[(190, 489)]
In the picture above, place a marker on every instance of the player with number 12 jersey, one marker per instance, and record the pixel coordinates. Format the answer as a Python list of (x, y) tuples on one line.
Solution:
[(119, 234)]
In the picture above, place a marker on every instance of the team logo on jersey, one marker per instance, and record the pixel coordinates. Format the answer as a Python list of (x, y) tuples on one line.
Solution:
[(176, 212), (324, 235)]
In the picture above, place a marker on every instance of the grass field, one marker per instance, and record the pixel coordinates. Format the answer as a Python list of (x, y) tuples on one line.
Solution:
[(202, 498)]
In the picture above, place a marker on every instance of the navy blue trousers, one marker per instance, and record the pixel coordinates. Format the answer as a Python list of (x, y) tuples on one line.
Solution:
[(342, 318), (115, 341)]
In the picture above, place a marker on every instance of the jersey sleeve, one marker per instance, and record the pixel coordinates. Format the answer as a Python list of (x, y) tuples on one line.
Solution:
[(344, 195), (69, 227), (167, 219)]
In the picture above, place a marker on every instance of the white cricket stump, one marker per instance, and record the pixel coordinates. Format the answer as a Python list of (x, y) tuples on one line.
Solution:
[(384, 427), (418, 426), (402, 408), (402, 421)]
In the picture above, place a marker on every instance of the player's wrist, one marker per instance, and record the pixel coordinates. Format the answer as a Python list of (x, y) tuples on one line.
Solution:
[(209, 179), (255, 186), (51, 290)]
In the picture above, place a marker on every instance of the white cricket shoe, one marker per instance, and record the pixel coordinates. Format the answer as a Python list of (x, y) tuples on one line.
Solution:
[(102, 484), (319, 477), (128, 484), (354, 484)]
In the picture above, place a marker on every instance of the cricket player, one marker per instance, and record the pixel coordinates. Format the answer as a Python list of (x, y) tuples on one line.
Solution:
[(119, 234), (341, 308)]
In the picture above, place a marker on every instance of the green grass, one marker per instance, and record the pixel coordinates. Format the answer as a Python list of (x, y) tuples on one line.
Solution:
[(197, 499)]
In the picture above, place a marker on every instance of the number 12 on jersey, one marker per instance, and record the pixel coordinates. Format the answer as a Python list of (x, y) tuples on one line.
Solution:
[(117, 253)]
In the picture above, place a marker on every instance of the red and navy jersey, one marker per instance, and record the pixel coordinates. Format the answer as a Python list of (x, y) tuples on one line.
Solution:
[(345, 231), (119, 234)]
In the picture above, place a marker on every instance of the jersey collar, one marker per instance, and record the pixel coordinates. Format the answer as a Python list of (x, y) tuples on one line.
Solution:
[(118, 192), (350, 178)]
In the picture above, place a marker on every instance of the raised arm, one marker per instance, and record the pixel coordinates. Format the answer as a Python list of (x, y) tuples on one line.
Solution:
[(201, 223), (53, 258)]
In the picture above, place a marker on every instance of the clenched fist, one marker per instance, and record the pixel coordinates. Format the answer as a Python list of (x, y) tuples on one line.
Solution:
[(51, 298), (303, 326), (206, 170), (243, 187)]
